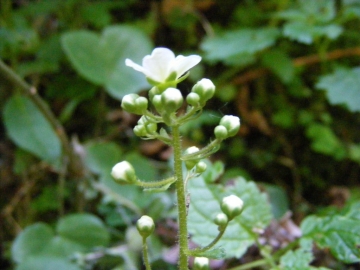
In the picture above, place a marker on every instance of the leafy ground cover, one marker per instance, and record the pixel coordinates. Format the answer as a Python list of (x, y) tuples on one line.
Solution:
[(289, 69)]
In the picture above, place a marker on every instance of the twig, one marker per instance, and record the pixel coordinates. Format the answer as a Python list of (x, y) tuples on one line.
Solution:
[(75, 165)]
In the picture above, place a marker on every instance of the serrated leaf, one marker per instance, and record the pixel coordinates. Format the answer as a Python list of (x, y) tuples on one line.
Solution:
[(240, 233), (306, 33), (238, 43), (30, 130), (101, 59), (299, 259), (342, 87), (339, 233)]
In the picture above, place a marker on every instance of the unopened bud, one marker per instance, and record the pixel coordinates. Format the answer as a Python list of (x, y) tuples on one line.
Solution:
[(123, 173), (201, 263), (200, 167), (171, 99), (221, 220), (191, 163), (231, 123), (221, 132), (205, 89), (133, 103), (145, 226), (193, 99), (232, 206)]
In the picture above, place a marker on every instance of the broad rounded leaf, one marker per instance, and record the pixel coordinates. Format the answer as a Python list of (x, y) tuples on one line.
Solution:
[(238, 43), (102, 156), (84, 229), (31, 241), (240, 233), (101, 58), (30, 130), (343, 87), (47, 262)]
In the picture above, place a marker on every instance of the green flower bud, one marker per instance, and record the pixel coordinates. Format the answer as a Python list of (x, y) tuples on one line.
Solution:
[(231, 123), (191, 163), (200, 167), (205, 89), (141, 104), (221, 220), (153, 92), (232, 206), (123, 173), (133, 103), (145, 226), (156, 101), (151, 128), (193, 99), (201, 263), (171, 99), (221, 132), (140, 131)]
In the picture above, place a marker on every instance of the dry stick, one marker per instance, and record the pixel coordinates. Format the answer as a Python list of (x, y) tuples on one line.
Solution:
[(30, 91), (75, 166), (298, 62)]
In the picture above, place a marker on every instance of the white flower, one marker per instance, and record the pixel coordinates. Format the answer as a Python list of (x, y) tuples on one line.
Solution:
[(162, 64)]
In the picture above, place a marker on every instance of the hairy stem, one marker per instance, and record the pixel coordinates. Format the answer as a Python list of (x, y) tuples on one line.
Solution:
[(181, 201), (146, 255)]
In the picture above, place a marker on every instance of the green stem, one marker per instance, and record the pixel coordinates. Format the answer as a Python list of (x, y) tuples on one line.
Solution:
[(250, 265), (196, 251), (204, 152), (181, 201), (155, 183), (146, 255)]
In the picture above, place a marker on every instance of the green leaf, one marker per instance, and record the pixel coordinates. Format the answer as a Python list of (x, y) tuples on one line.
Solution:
[(306, 33), (279, 63), (240, 233), (74, 233), (102, 156), (342, 87), (324, 141), (101, 59), (31, 241), (300, 258), (84, 229), (30, 130), (237, 44), (46, 263), (339, 233), (214, 253)]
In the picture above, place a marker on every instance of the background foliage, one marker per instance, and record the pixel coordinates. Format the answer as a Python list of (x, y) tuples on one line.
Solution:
[(289, 69)]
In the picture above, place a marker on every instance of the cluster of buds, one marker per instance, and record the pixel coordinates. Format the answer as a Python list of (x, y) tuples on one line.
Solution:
[(229, 126), (145, 127), (200, 166)]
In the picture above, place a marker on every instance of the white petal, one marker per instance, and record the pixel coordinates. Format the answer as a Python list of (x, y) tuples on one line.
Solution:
[(159, 63), (137, 67), (181, 63)]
